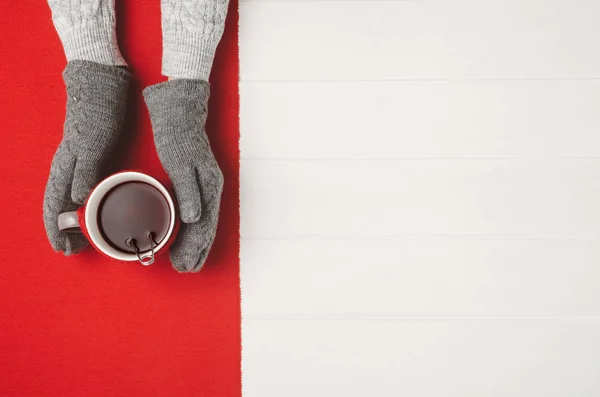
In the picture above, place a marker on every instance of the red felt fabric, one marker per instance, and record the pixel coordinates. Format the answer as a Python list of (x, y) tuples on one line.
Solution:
[(85, 325)]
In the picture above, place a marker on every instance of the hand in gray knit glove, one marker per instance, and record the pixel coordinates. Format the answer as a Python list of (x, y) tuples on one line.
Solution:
[(96, 102), (178, 111), (191, 31)]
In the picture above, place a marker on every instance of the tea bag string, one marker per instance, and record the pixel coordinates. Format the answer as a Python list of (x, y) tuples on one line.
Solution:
[(144, 260)]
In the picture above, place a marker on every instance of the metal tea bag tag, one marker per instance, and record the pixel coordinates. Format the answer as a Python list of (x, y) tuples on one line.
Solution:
[(144, 259)]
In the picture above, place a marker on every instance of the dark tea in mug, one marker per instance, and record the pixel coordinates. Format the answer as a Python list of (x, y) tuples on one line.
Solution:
[(134, 215)]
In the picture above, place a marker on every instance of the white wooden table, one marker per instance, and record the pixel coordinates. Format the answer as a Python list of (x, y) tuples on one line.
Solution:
[(420, 198)]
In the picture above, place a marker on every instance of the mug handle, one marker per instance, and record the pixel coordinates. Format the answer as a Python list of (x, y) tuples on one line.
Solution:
[(68, 222)]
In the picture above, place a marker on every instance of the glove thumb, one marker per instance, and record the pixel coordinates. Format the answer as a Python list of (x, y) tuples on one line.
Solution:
[(85, 178), (187, 190)]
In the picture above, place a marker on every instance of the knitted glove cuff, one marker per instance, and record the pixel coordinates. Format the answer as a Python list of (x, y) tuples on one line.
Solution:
[(94, 42), (191, 32), (87, 30), (189, 55)]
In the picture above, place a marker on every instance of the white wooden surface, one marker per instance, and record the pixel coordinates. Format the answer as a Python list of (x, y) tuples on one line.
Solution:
[(420, 194)]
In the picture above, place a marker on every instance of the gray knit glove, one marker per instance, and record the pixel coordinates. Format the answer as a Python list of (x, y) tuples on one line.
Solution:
[(96, 102), (191, 31), (87, 30), (178, 110)]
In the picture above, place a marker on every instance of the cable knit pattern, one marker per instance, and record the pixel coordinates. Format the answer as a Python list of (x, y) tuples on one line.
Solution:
[(87, 30), (96, 102), (191, 30), (178, 114)]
